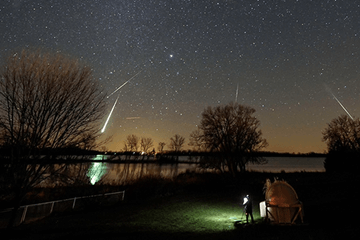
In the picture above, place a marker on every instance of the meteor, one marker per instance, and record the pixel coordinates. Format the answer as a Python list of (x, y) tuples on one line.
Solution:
[(107, 120), (132, 118), (237, 91), (329, 90), (343, 107), (124, 84)]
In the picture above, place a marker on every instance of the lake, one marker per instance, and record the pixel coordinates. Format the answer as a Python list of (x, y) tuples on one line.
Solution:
[(120, 173), (291, 164)]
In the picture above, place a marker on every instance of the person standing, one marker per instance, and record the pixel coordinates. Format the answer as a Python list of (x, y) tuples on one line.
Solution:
[(248, 208)]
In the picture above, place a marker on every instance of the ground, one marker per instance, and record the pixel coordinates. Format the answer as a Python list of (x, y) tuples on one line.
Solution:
[(207, 212)]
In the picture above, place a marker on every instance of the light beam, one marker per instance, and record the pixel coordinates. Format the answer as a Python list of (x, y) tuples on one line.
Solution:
[(107, 120), (124, 84)]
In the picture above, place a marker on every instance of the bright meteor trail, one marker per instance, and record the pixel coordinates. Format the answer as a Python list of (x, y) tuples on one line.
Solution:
[(124, 84), (329, 90), (107, 120), (343, 107)]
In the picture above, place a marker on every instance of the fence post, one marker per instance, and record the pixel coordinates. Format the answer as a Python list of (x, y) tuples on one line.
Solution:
[(23, 215), (73, 206)]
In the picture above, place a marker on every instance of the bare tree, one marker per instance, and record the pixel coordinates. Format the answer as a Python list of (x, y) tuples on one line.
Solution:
[(176, 143), (232, 133), (132, 142), (196, 140), (47, 101), (343, 134), (146, 144), (161, 146), (126, 147), (342, 137)]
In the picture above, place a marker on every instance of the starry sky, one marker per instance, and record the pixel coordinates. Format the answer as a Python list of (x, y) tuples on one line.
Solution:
[(287, 59)]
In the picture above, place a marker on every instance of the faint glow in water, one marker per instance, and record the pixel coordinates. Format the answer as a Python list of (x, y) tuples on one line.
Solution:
[(290, 164), (96, 170)]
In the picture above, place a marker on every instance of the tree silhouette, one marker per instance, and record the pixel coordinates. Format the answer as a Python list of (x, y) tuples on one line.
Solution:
[(161, 146), (342, 137), (47, 101), (146, 144), (132, 143), (196, 140), (232, 134), (176, 143)]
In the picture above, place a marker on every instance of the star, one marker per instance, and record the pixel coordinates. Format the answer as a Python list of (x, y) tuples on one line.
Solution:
[(269, 55)]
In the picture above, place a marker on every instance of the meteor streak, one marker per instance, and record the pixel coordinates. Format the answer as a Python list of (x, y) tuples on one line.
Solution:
[(132, 118), (237, 91), (343, 107), (124, 84), (329, 90), (107, 120)]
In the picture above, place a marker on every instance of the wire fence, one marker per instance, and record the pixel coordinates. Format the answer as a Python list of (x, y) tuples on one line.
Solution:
[(33, 212)]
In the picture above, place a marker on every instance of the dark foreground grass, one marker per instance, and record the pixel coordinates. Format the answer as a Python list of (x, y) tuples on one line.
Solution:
[(202, 213)]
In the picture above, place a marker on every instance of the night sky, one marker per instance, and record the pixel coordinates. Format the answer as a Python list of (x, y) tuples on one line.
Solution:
[(285, 58)]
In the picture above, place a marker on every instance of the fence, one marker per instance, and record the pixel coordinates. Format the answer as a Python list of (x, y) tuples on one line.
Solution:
[(33, 212)]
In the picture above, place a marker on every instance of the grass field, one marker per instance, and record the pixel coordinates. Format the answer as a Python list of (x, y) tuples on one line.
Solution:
[(197, 213)]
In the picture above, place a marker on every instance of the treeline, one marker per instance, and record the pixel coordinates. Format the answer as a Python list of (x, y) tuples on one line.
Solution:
[(205, 153)]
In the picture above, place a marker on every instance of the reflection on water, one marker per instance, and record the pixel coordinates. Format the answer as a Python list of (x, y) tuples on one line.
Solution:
[(96, 172), (126, 172), (123, 173), (290, 164)]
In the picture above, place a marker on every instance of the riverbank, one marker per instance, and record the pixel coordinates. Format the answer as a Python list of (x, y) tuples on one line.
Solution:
[(206, 206)]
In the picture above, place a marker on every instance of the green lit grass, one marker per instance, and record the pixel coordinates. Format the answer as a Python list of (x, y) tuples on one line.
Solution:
[(184, 215), (200, 212), (194, 215)]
